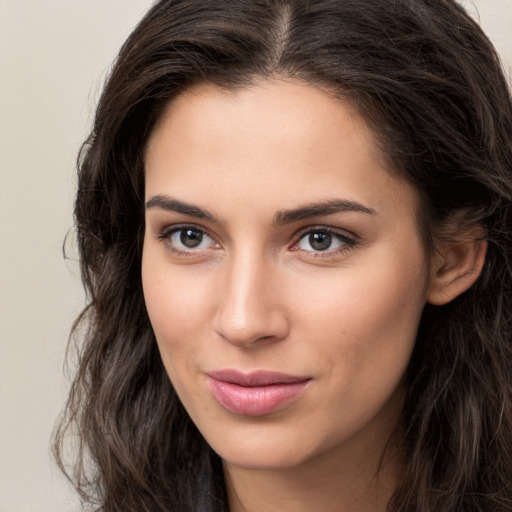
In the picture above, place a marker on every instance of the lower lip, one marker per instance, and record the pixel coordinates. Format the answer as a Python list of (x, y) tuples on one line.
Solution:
[(257, 400)]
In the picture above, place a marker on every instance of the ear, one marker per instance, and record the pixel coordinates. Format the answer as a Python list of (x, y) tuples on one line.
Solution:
[(456, 266)]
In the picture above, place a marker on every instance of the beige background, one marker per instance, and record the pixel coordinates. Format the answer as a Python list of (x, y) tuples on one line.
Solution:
[(53, 57)]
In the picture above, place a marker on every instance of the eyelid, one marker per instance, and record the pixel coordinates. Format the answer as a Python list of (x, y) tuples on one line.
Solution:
[(350, 240), (342, 233), (165, 234), (172, 228)]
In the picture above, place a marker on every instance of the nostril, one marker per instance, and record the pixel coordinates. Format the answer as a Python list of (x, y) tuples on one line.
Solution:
[(267, 328)]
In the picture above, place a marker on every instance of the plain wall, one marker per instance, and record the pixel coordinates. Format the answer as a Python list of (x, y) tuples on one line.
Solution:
[(54, 55)]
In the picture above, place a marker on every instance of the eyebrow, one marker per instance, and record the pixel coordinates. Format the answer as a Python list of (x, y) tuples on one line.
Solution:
[(320, 209), (173, 205), (307, 211)]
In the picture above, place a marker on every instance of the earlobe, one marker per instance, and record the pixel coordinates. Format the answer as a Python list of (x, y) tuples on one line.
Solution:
[(455, 267)]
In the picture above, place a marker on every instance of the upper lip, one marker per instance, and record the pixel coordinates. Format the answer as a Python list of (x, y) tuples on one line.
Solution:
[(255, 378)]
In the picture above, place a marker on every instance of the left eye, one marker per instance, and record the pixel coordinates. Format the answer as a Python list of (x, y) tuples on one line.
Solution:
[(189, 238), (322, 240)]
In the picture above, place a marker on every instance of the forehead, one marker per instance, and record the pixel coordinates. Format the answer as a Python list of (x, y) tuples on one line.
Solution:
[(277, 141)]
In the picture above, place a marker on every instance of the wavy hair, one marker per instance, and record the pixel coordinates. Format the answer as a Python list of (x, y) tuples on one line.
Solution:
[(429, 85)]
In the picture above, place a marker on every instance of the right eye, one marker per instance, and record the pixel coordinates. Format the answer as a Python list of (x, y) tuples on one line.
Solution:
[(186, 239)]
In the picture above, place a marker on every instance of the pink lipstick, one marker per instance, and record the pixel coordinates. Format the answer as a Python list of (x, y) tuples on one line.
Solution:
[(256, 393)]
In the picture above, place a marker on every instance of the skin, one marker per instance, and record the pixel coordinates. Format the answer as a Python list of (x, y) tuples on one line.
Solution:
[(256, 294)]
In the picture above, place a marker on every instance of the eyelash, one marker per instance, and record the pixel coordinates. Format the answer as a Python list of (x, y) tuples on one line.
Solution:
[(166, 234), (347, 242)]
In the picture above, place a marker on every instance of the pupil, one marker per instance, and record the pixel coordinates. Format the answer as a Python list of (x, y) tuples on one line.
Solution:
[(320, 241), (190, 238)]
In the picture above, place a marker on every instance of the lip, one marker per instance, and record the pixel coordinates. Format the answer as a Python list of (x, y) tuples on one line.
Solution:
[(256, 393)]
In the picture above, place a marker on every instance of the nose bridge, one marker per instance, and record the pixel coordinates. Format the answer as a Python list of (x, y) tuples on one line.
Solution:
[(249, 306)]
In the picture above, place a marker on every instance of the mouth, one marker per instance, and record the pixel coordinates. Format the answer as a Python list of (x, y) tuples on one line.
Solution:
[(256, 393)]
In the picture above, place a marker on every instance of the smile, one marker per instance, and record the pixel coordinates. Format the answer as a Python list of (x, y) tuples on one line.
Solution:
[(254, 394)]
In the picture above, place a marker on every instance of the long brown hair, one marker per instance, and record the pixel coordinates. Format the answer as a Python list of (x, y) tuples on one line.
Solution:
[(429, 84)]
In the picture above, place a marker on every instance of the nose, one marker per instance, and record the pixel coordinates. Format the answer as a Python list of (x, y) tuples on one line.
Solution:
[(250, 310)]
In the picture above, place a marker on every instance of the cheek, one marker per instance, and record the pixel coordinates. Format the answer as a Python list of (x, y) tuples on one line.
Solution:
[(178, 304), (175, 311), (366, 317), (174, 294)]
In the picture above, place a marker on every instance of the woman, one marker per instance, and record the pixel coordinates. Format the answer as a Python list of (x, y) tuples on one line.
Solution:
[(295, 232)]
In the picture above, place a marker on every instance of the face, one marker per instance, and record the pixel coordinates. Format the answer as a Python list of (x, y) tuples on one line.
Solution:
[(283, 273)]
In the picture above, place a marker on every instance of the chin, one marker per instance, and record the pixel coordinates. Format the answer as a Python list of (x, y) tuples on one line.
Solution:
[(268, 459), (262, 447)]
